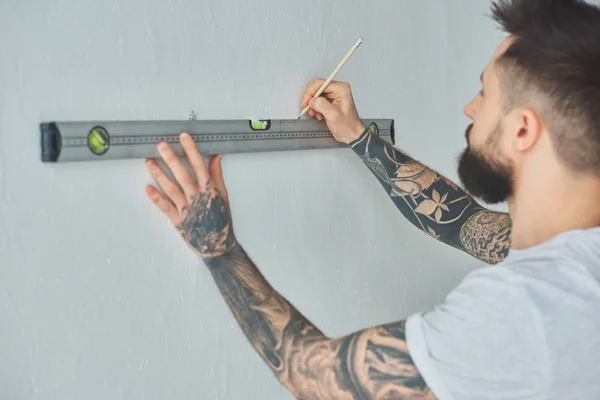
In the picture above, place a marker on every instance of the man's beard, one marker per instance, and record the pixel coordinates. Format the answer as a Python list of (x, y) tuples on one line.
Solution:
[(488, 180)]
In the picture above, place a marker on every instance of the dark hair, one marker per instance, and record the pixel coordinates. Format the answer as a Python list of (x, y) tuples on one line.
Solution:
[(554, 66)]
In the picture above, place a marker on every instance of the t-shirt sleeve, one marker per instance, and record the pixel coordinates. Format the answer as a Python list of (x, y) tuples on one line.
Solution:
[(484, 341)]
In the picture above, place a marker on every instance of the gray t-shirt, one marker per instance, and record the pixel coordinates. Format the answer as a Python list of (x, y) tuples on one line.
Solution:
[(526, 328)]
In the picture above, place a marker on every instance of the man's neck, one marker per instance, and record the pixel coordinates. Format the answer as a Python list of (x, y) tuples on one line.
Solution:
[(546, 209)]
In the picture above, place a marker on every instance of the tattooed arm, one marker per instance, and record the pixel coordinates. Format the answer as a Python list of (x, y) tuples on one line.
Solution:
[(371, 364), (433, 203), (428, 200)]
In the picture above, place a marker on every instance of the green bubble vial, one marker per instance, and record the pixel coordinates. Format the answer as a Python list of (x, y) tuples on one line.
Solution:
[(259, 125), (98, 140)]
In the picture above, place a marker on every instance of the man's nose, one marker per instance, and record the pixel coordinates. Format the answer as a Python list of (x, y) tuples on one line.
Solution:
[(469, 109)]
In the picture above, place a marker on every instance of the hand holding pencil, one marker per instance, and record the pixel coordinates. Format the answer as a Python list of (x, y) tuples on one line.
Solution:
[(336, 107), (334, 73), (332, 101)]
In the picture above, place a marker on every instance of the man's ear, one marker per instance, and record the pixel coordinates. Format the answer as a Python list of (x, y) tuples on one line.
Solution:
[(526, 130)]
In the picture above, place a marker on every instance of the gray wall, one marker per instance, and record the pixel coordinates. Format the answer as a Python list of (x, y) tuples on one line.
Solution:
[(99, 296)]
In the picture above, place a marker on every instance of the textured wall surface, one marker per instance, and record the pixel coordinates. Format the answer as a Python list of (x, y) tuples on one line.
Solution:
[(99, 296)]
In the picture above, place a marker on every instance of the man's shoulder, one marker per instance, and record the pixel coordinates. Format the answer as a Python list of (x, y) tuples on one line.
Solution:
[(572, 265), (532, 284), (485, 332), (488, 298), (558, 283), (510, 326)]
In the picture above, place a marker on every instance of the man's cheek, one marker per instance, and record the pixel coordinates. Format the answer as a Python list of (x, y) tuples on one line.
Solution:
[(479, 132), (472, 135)]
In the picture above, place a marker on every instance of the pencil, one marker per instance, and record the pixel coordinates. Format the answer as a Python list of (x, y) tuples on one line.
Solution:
[(333, 74)]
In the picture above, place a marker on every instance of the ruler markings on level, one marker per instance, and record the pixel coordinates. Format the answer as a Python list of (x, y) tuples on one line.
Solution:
[(139, 139)]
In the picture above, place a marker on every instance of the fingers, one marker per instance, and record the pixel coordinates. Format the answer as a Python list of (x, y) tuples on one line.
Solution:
[(315, 114), (324, 107), (333, 91), (195, 158), (180, 172), (311, 89), (163, 204), (216, 173), (170, 188)]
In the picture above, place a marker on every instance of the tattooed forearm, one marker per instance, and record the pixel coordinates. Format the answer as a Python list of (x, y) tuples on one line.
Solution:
[(372, 364), (433, 203), (268, 320)]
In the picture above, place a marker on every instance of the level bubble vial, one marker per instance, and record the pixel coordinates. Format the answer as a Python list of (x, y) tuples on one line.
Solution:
[(98, 140), (260, 125)]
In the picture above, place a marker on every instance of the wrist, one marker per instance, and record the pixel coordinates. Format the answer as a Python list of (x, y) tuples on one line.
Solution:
[(218, 260), (360, 136), (355, 133)]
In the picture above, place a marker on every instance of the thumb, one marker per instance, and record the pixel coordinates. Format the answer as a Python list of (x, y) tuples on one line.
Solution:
[(321, 105), (216, 173)]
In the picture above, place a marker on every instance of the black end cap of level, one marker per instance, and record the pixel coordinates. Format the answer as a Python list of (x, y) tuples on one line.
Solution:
[(393, 133), (51, 142)]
